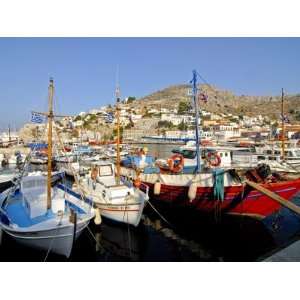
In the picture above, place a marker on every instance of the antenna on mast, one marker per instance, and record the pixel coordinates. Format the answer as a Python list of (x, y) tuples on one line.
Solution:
[(117, 91), (118, 173)]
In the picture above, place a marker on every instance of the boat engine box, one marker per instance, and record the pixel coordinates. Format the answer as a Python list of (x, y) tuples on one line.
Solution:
[(34, 195)]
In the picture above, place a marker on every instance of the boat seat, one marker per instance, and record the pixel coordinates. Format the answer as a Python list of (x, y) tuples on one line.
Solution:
[(108, 181)]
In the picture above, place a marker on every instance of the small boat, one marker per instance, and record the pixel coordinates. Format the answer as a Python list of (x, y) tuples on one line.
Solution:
[(39, 158), (112, 153), (91, 158), (25, 217), (9, 176), (42, 216), (68, 157), (119, 201), (72, 168), (6, 179)]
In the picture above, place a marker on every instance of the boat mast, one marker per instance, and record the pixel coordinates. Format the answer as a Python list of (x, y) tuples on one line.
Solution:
[(118, 134), (282, 127), (50, 119), (198, 150), (9, 137)]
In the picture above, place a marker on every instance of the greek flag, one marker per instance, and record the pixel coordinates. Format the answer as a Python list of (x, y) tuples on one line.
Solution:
[(109, 118), (36, 118)]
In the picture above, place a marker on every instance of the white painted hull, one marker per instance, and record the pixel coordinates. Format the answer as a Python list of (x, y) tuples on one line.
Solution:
[(58, 239), (130, 213), (54, 234)]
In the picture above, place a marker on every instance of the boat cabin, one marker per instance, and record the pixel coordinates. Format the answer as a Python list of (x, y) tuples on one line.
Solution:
[(34, 192), (190, 155), (104, 182)]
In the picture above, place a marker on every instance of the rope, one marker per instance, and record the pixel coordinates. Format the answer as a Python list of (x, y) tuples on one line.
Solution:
[(159, 214), (128, 230), (93, 237), (52, 240), (81, 189)]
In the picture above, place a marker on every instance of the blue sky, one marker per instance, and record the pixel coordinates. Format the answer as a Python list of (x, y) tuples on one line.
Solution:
[(84, 69)]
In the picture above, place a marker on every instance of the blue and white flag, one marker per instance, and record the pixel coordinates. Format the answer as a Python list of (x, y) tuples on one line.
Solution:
[(36, 118)]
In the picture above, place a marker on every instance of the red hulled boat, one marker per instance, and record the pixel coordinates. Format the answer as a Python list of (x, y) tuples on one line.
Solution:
[(239, 199)]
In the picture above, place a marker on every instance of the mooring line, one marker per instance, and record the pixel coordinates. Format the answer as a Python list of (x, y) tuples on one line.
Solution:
[(160, 215)]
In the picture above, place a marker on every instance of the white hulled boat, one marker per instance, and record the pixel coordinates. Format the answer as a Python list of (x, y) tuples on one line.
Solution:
[(117, 200), (41, 216)]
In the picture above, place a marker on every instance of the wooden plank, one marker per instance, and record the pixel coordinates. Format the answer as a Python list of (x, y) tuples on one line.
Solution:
[(288, 204)]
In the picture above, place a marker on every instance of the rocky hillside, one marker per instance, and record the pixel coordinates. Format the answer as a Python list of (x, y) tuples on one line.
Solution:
[(222, 101)]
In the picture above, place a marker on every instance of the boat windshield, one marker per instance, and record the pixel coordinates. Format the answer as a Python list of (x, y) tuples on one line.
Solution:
[(190, 154)]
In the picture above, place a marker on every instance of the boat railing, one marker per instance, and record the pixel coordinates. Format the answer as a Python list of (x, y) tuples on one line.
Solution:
[(145, 187)]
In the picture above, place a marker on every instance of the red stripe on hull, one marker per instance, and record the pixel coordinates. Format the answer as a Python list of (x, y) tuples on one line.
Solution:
[(253, 201), (119, 210)]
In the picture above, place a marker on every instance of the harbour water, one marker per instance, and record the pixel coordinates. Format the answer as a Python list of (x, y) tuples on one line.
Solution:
[(150, 241), (185, 237)]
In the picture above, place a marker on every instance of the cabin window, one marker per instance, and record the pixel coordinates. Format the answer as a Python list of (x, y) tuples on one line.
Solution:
[(190, 154), (105, 170), (277, 152), (221, 154), (261, 157), (226, 154)]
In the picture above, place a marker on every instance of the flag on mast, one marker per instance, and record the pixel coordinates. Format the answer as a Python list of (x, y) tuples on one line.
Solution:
[(36, 118)]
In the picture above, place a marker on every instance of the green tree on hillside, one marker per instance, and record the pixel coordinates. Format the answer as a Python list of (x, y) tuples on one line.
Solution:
[(115, 132), (183, 107), (130, 99), (182, 126), (165, 124)]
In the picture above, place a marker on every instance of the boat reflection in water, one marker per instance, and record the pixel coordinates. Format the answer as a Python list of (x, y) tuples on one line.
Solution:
[(117, 242)]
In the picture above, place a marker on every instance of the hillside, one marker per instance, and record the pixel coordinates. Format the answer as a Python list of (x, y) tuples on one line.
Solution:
[(222, 101)]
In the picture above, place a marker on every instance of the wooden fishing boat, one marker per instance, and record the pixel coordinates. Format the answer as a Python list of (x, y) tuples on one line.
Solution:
[(116, 199), (210, 188), (42, 216)]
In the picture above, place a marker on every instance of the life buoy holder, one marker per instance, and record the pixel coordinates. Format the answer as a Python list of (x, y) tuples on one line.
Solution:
[(94, 173), (176, 168), (213, 159)]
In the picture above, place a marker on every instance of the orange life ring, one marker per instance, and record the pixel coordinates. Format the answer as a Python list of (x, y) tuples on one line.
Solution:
[(176, 168), (94, 173), (213, 159)]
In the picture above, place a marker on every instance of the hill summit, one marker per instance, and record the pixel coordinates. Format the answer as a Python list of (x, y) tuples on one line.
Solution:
[(223, 101)]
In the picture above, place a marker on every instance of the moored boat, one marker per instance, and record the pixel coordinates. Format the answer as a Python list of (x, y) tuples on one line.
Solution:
[(210, 189), (42, 216), (117, 200)]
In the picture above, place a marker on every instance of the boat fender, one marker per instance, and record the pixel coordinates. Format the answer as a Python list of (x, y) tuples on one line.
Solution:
[(192, 193), (97, 219), (137, 182), (94, 173), (157, 187)]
